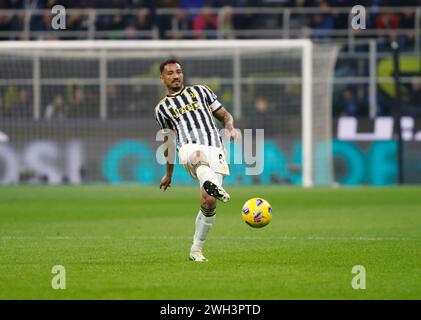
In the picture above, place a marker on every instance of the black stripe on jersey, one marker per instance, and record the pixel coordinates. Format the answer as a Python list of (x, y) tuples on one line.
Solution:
[(208, 98), (202, 117), (174, 113), (161, 120), (167, 118), (206, 113), (209, 116), (197, 125), (210, 111), (185, 118), (194, 134), (180, 132), (207, 91)]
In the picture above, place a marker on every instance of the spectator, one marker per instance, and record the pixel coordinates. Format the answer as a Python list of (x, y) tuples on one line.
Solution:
[(227, 22), (408, 23), (187, 18), (136, 98), (244, 21), (322, 23), (165, 22), (140, 22), (260, 117), (414, 98), (114, 101), (44, 25), (140, 99), (389, 22), (146, 18), (179, 24), (4, 27), (48, 4), (204, 22), (15, 4), (385, 104), (113, 23), (110, 22), (79, 105), (23, 108), (341, 18), (298, 21), (56, 108), (349, 103), (16, 22), (116, 23), (17, 104), (76, 22)]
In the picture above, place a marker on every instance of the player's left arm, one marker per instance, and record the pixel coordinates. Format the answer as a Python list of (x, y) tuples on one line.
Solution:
[(220, 113), (227, 121)]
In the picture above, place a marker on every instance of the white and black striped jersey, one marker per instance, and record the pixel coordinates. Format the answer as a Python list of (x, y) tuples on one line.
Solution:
[(189, 114)]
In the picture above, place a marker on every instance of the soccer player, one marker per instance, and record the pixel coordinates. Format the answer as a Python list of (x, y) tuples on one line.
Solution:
[(189, 112)]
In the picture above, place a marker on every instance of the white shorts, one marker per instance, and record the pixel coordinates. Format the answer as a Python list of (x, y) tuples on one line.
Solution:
[(215, 156)]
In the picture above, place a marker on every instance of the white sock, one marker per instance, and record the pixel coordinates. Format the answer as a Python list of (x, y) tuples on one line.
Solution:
[(204, 173), (203, 225)]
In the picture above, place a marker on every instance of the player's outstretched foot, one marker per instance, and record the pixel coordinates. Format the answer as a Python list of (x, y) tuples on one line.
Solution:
[(216, 191), (197, 256)]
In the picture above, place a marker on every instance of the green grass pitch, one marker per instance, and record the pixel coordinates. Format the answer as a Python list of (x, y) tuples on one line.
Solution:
[(132, 242)]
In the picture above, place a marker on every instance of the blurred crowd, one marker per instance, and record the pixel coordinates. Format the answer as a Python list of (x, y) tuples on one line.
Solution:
[(201, 23), (77, 101), (196, 24)]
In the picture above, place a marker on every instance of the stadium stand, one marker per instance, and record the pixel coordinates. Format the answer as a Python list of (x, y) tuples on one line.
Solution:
[(320, 20)]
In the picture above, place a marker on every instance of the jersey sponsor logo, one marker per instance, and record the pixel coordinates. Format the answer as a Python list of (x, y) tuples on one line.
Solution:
[(177, 112), (192, 94)]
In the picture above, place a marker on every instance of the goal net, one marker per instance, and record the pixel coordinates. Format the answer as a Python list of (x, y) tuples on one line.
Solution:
[(82, 111)]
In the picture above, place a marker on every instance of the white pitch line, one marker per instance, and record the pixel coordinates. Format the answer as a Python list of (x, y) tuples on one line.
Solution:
[(281, 238)]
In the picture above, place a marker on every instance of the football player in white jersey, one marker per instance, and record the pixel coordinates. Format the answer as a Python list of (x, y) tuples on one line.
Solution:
[(189, 112)]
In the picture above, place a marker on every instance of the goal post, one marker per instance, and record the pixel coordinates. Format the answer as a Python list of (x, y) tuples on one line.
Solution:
[(306, 114), (293, 77)]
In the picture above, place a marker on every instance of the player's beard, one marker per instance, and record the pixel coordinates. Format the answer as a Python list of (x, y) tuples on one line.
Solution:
[(176, 86)]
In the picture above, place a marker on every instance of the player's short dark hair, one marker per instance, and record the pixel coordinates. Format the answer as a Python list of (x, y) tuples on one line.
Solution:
[(168, 61)]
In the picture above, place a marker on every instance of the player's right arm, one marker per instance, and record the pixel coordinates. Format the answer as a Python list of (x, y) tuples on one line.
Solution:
[(166, 127), (166, 180)]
